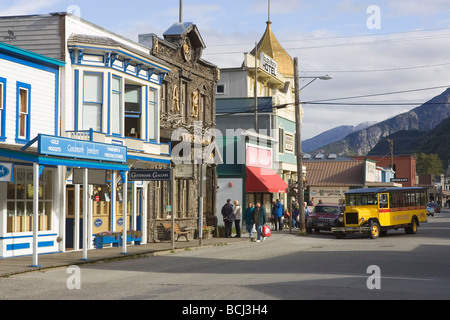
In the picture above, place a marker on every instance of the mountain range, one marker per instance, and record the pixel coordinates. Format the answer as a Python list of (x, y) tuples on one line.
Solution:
[(332, 135), (435, 141), (421, 119)]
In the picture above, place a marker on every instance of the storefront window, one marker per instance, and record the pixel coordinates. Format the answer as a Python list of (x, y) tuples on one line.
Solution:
[(119, 206), (20, 201), (101, 208)]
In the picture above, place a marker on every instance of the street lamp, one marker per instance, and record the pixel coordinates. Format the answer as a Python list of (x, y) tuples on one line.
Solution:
[(298, 138), (325, 77)]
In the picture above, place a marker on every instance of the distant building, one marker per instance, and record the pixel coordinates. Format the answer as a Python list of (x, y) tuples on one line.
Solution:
[(403, 166), (269, 70), (329, 177)]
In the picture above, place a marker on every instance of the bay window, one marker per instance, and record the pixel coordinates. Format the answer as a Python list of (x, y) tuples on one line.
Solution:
[(93, 101), (116, 106), (153, 114), (133, 110)]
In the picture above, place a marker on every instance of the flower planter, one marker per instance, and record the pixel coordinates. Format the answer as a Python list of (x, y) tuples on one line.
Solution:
[(116, 240), (100, 241), (137, 241)]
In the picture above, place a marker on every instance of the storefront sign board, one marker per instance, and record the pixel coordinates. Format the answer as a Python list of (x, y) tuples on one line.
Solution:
[(80, 149)]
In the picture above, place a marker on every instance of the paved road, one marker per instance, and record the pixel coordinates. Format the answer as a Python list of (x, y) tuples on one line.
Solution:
[(285, 266)]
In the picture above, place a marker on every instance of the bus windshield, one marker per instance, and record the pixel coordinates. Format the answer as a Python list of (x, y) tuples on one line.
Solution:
[(361, 200)]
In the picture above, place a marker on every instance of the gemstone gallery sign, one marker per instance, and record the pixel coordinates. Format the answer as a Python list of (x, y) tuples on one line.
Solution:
[(149, 175)]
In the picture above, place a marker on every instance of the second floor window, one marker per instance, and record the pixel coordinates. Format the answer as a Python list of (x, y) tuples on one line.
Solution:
[(23, 111), (133, 111), (2, 107), (153, 114), (93, 101), (116, 106)]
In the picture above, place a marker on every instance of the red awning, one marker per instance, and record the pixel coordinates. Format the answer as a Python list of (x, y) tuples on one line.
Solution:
[(264, 180)]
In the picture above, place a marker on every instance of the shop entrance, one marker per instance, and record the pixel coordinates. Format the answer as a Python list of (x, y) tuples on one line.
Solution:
[(70, 217)]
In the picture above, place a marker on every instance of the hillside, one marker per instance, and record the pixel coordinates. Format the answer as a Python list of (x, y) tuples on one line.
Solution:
[(423, 118), (435, 141), (332, 135)]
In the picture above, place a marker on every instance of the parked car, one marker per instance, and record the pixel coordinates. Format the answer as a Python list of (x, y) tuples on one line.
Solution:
[(430, 210), (324, 217)]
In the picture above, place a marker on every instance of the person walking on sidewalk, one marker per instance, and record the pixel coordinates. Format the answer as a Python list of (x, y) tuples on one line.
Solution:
[(237, 218), (259, 219), (228, 217), (248, 218), (278, 212)]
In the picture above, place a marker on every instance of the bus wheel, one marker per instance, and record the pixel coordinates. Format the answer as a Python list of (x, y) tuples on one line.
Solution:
[(412, 228), (374, 232)]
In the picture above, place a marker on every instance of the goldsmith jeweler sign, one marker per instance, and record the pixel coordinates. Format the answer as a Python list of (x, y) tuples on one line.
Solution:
[(81, 149)]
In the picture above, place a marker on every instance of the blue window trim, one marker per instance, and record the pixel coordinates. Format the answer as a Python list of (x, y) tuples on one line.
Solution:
[(77, 99), (3, 111), (22, 85)]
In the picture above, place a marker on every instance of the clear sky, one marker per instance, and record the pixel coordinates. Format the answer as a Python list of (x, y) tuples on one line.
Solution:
[(369, 47)]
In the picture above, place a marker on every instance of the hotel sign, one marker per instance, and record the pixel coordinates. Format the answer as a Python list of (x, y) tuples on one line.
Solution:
[(269, 65), (80, 149)]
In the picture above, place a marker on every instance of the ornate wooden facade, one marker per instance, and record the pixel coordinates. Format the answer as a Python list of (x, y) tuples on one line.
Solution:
[(187, 111)]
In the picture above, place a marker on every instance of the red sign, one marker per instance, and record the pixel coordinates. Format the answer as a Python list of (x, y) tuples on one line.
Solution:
[(258, 157)]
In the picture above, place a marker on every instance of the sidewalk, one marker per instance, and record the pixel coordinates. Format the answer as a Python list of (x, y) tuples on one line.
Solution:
[(16, 265)]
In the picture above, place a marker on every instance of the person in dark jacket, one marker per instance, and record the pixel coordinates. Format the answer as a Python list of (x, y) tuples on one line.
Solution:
[(228, 217), (278, 211), (248, 218), (259, 219)]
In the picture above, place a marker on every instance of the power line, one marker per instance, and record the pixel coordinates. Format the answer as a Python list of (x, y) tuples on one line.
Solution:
[(334, 38), (379, 70), (376, 94), (368, 42)]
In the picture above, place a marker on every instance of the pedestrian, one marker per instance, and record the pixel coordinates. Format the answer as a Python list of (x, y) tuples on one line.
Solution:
[(278, 212), (248, 218), (295, 214), (306, 212), (259, 219), (228, 217), (237, 218)]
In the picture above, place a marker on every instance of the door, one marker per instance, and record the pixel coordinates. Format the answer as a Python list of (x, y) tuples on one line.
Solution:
[(70, 218), (139, 202)]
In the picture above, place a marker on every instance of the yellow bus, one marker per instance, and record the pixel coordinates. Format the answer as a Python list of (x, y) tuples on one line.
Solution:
[(376, 210)]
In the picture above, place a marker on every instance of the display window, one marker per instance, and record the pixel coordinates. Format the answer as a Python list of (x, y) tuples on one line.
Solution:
[(20, 201)]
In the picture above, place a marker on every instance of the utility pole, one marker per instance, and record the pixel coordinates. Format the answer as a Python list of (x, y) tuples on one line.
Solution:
[(256, 87), (298, 148)]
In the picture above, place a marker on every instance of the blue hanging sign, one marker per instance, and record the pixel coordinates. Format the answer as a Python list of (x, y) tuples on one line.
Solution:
[(6, 171), (80, 149)]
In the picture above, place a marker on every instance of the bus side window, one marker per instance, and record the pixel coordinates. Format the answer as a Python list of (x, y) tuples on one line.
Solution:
[(383, 203)]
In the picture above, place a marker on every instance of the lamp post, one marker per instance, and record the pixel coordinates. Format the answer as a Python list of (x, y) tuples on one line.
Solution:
[(298, 139)]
